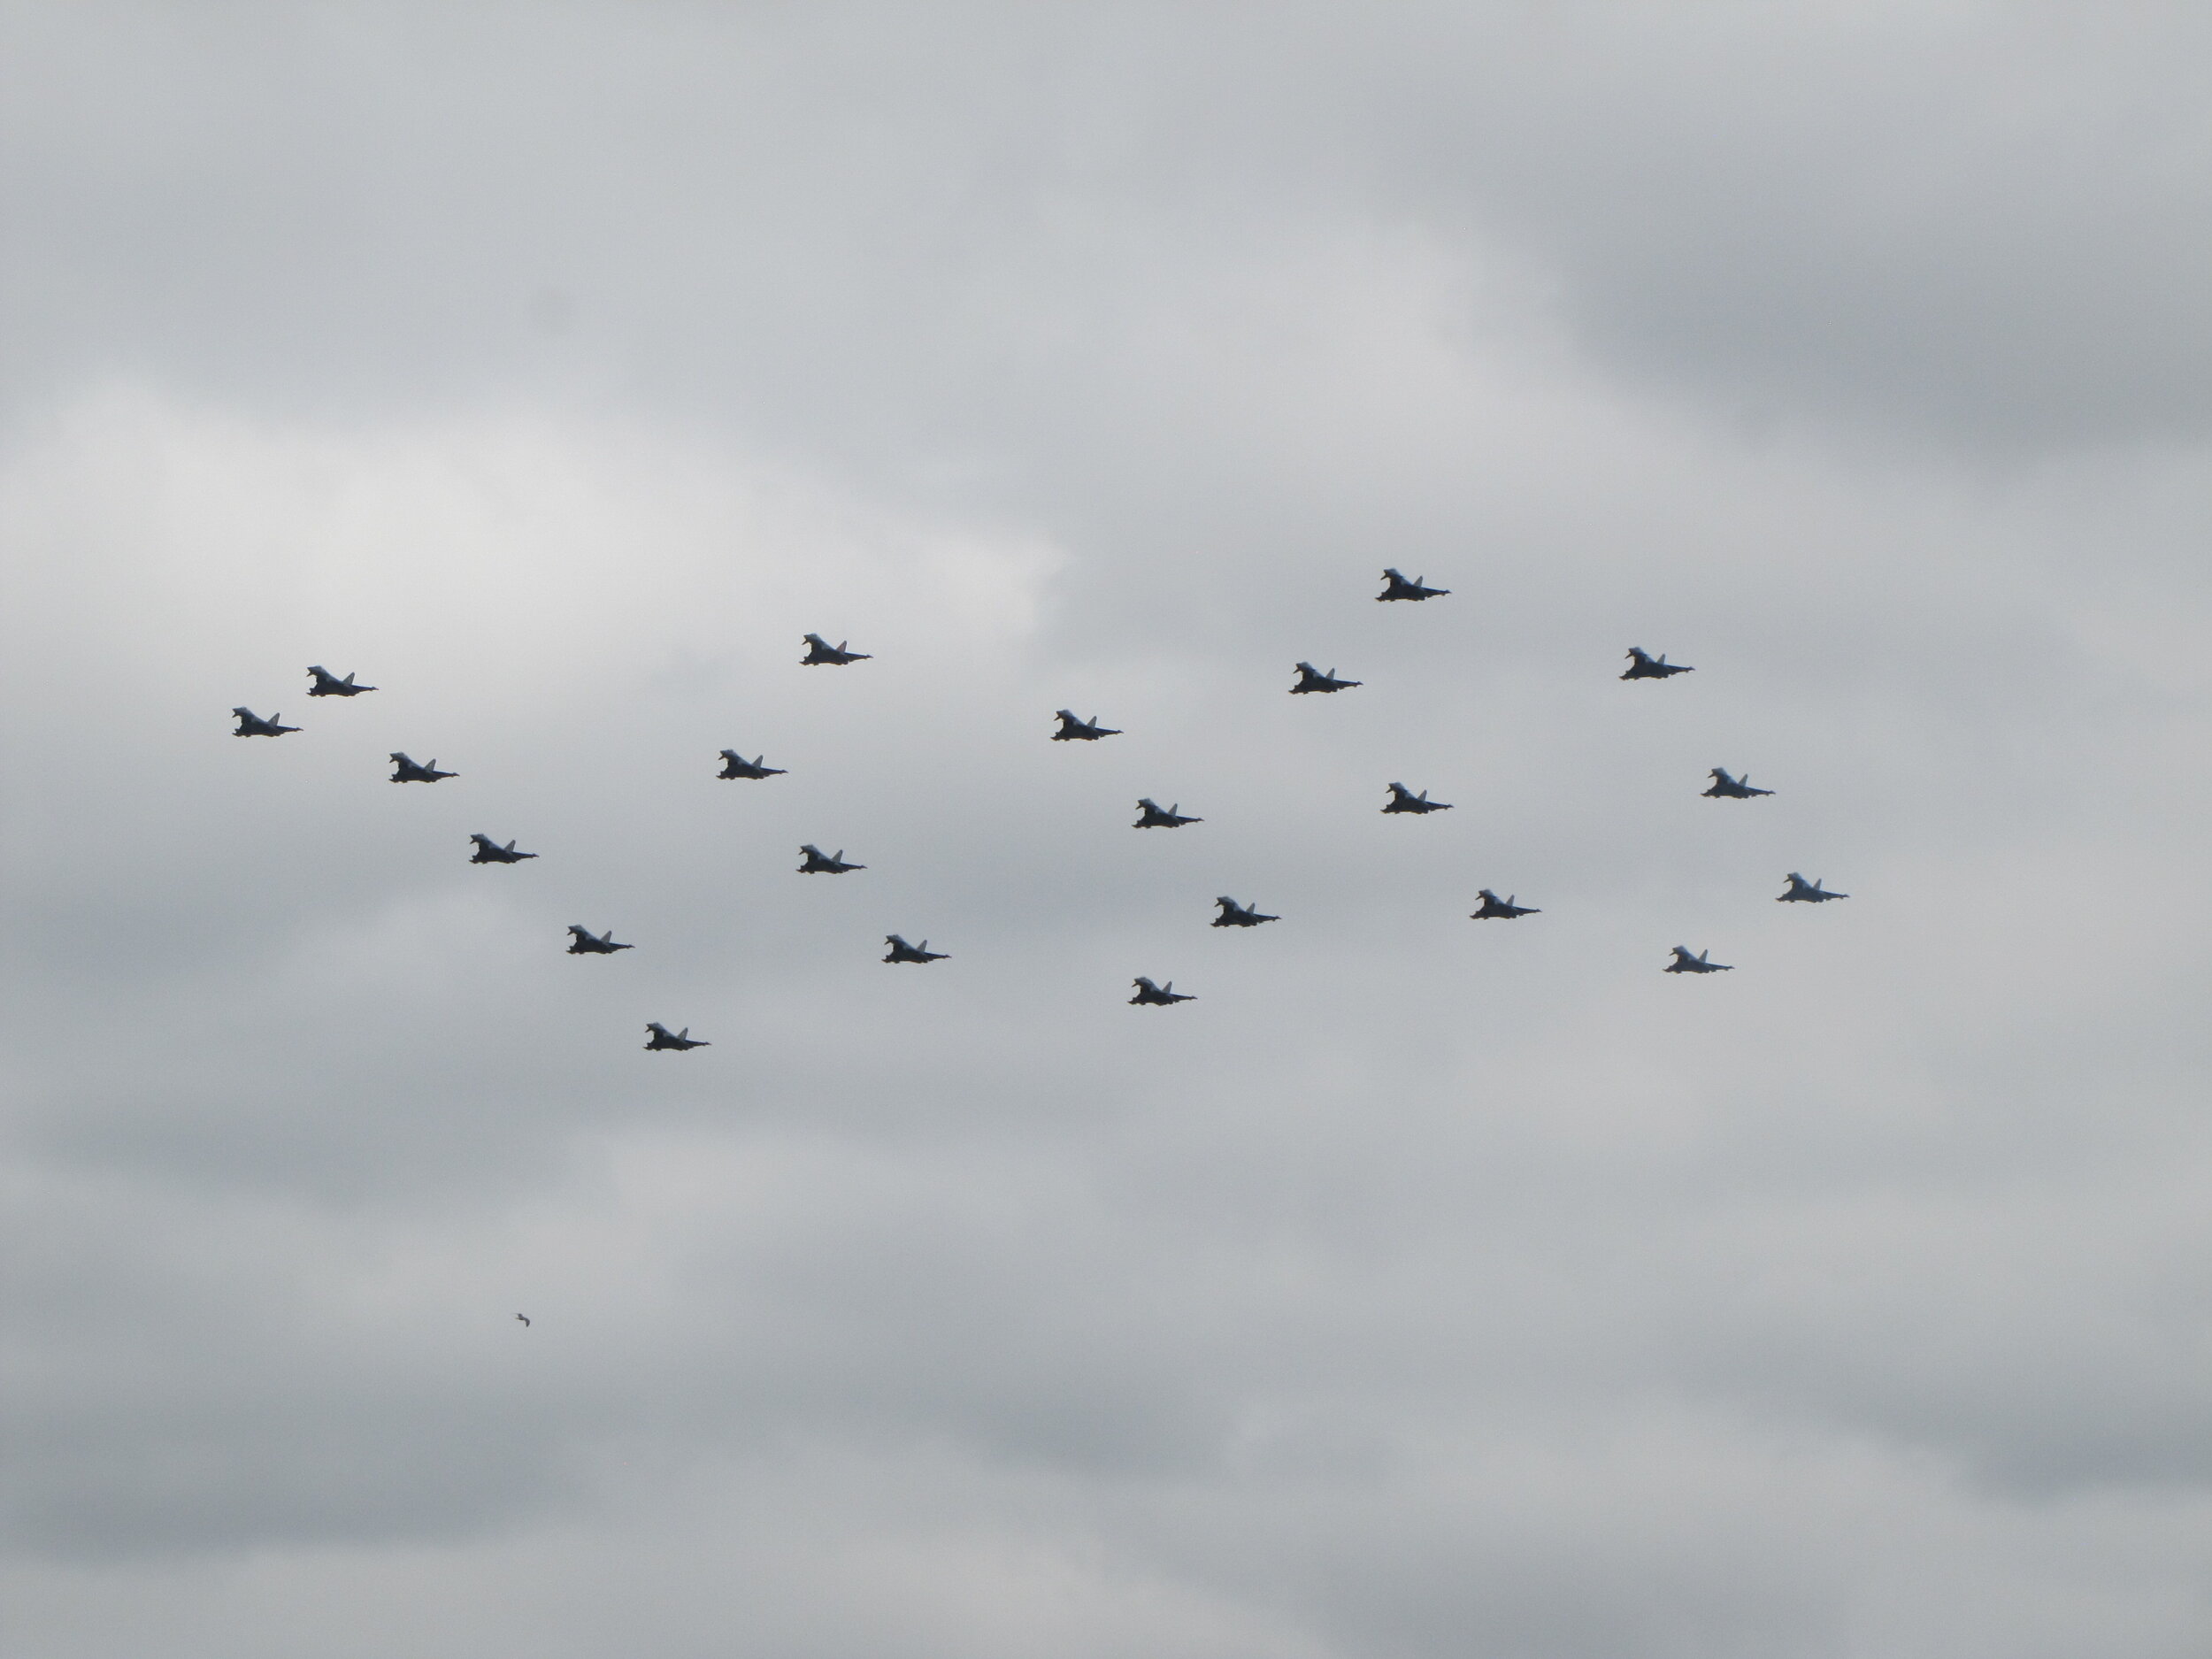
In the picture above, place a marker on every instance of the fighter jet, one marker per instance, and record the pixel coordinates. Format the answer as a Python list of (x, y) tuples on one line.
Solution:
[(735, 765), (1685, 962), (406, 771), (1404, 800), (1396, 587), (1502, 909), (583, 943), (1072, 729), (251, 725), (1151, 996), (819, 650), (1803, 893), (820, 864), (900, 952), (1726, 788), (1150, 817), (1642, 665), (1311, 678), (328, 685), (490, 852), (1235, 914), (661, 1037)]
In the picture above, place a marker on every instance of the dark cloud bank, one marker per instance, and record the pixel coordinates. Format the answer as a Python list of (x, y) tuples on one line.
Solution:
[(1426, 1288)]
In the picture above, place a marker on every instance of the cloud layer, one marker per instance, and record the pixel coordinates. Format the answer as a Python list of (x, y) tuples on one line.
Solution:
[(1425, 1288)]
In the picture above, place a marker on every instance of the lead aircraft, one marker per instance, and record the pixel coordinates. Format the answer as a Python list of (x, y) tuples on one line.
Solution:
[(251, 725), (821, 863), (658, 1036), (490, 852)]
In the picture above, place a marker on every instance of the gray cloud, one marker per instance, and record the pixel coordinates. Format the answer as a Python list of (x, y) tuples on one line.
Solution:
[(1424, 1287)]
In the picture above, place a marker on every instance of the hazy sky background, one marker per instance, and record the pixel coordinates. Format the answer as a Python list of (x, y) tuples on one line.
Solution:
[(1425, 1289)]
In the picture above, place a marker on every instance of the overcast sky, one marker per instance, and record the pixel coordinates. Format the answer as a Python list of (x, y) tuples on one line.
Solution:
[(1425, 1289)]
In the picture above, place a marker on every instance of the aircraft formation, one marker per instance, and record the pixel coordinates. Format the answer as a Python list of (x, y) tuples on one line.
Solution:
[(1150, 815)]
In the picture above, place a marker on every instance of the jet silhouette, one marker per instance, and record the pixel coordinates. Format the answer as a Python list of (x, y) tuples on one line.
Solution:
[(583, 943), (1396, 587), (1150, 816), (1311, 678), (820, 864), (251, 725), (661, 1037), (819, 650), (1082, 731), (900, 952), (1801, 893), (1727, 788), (1235, 914), (1504, 909), (490, 852), (406, 771), (735, 765), (1404, 800), (1642, 665), (328, 685), (1685, 962), (1151, 996)]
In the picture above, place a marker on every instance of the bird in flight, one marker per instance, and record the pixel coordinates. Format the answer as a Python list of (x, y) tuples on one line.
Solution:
[(523, 1317)]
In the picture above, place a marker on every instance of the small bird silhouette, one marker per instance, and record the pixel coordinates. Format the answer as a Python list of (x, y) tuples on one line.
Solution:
[(526, 1320)]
